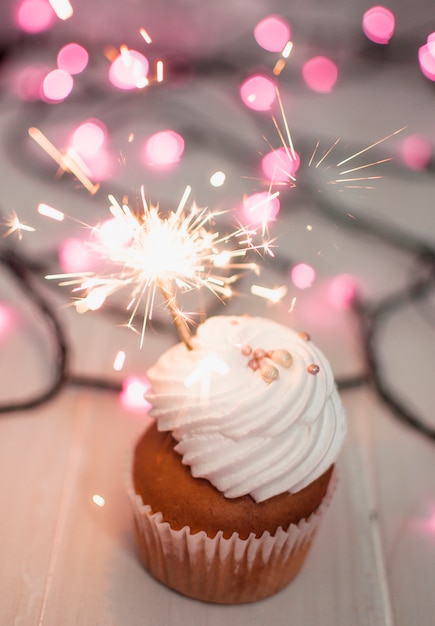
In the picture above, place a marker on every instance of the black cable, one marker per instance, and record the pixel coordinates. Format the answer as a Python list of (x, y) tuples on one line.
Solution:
[(371, 317), (18, 267), (371, 321)]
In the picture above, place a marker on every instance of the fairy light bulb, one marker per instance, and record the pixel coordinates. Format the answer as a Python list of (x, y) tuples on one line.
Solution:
[(258, 92)]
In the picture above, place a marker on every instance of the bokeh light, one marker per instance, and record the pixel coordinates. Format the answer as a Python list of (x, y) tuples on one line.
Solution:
[(426, 58), (378, 24), (28, 81), (279, 166), (342, 291), (129, 70), (164, 148), (302, 275), (320, 74), (217, 179), (6, 319), (272, 33), (115, 233), (415, 152), (34, 16), (75, 256), (72, 58), (133, 393), (89, 137), (57, 86), (259, 209), (258, 92), (119, 361)]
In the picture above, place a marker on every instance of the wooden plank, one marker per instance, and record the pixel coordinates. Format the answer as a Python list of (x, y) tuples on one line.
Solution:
[(98, 577)]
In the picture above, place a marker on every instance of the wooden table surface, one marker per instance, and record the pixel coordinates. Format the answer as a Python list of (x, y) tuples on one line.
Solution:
[(67, 561)]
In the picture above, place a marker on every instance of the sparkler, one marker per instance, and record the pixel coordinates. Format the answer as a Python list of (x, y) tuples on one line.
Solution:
[(66, 162), (176, 252), (352, 182), (16, 226)]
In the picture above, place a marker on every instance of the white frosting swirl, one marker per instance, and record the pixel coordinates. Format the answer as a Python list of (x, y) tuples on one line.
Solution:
[(244, 435)]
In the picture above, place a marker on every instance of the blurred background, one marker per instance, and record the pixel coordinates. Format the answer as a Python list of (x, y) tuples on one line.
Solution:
[(311, 122)]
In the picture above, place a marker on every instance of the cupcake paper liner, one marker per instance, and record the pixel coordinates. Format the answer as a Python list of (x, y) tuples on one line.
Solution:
[(223, 570)]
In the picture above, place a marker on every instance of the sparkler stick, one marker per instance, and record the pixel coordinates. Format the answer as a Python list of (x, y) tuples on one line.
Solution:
[(179, 321)]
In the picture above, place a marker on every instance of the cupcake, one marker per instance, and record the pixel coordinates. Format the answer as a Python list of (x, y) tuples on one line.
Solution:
[(231, 480)]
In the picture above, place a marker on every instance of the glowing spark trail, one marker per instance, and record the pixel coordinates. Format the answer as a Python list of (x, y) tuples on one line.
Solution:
[(65, 162), (145, 35), (273, 295), (173, 252), (318, 160)]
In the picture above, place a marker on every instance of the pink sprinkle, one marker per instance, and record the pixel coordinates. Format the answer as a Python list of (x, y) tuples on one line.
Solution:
[(280, 166), (72, 58), (34, 16), (378, 24), (272, 33), (320, 74), (258, 92), (57, 86), (303, 275), (164, 148)]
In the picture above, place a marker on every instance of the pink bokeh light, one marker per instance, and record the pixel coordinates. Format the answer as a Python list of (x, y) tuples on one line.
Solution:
[(378, 24), (75, 256), (259, 209), (280, 166), (164, 148), (258, 92), (7, 319), (415, 152), (57, 86), (272, 33), (115, 233), (320, 74), (303, 275), (34, 16), (129, 70), (342, 291), (89, 137), (72, 58), (133, 393), (426, 57), (431, 43), (28, 81)]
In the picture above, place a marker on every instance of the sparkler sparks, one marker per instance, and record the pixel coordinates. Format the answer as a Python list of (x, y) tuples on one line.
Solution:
[(285, 174), (274, 295), (16, 226), (170, 253), (66, 162)]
